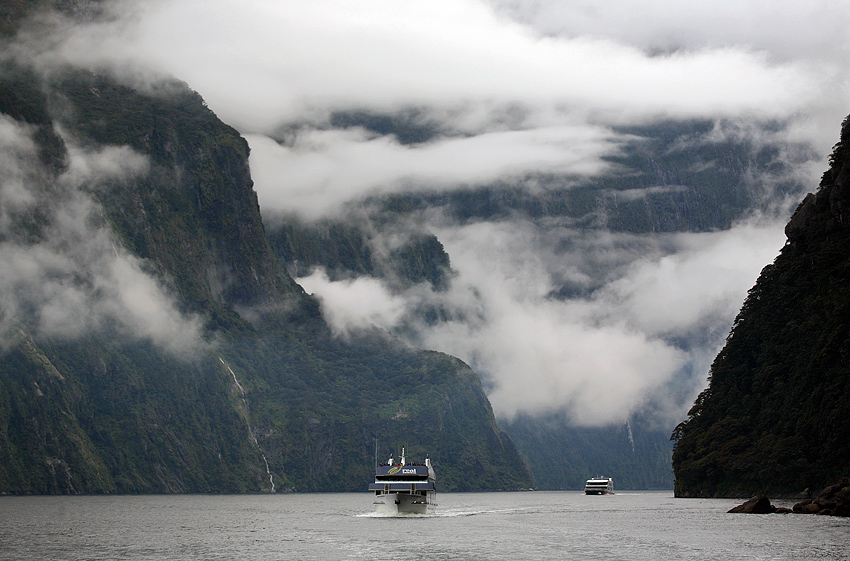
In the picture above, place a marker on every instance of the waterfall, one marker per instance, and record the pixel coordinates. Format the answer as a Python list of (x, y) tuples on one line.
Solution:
[(631, 437), (248, 421)]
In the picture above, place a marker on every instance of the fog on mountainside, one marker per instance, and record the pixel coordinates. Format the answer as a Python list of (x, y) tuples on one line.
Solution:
[(151, 342), (596, 304), (573, 201)]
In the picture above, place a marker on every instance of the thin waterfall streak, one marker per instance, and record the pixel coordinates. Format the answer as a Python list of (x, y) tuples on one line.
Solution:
[(235, 381), (248, 422)]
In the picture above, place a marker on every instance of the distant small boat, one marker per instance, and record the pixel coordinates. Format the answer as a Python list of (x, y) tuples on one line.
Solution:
[(599, 486), (402, 488)]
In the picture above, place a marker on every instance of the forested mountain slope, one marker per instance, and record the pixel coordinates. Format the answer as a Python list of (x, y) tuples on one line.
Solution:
[(151, 341), (774, 417)]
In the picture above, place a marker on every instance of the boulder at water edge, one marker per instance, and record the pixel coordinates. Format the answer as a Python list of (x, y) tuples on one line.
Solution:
[(756, 505), (834, 500)]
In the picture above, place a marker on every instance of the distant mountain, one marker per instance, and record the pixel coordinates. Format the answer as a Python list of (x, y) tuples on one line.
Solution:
[(668, 177), (563, 456), (152, 342), (773, 419)]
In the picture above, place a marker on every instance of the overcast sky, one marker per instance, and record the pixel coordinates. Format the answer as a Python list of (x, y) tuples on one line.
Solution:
[(513, 86)]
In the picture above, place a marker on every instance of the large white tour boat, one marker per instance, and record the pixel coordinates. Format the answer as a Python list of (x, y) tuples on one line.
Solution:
[(599, 486), (402, 488)]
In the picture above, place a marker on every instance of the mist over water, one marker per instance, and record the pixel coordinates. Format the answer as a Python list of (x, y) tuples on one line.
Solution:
[(530, 526)]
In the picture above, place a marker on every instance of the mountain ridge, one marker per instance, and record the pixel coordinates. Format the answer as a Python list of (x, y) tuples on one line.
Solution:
[(772, 420), (186, 358)]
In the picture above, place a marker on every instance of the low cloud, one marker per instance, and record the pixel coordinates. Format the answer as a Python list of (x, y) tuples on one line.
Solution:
[(108, 163), (520, 84), (812, 29), (264, 63), (702, 279), (657, 312), (288, 59), (513, 87), (63, 273), (321, 170), (354, 304), (18, 159)]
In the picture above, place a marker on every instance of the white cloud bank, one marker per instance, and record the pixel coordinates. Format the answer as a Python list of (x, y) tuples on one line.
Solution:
[(604, 355), (785, 28), (322, 170), (513, 86), (563, 71), (355, 303), (262, 62), (600, 357)]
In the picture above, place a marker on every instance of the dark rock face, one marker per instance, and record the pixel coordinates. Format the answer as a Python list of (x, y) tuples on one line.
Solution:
[(773, 418), (756, 505)]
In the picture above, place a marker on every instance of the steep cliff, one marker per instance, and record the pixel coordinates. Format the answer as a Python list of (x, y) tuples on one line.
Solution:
[(151, 341), (773, 419)]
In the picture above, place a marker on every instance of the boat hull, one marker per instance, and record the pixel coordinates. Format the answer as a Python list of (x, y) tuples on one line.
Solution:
[(393, 504)]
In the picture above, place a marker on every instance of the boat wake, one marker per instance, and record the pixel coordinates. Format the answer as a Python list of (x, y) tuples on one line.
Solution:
[(440, 514), (383, 515)]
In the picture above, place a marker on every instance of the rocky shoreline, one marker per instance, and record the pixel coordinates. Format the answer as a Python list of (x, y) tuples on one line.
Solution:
[(832, 501)]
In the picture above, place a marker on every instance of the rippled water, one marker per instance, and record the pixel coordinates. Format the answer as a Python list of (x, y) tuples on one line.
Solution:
[(467, 526)]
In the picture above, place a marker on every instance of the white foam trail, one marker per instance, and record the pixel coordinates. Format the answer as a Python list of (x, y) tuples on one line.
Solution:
[(449, 513)]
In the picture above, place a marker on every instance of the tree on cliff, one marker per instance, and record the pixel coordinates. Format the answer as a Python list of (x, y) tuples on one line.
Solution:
[(774, 417)]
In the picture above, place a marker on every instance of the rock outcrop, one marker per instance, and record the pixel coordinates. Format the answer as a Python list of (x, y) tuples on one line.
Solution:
[(832, 501), (756, 505)]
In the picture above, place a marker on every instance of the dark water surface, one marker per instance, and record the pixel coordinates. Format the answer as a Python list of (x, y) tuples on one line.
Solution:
[(467, 526)]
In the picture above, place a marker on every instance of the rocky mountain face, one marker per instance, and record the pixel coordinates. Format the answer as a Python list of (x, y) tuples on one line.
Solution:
[(151, 340), (774, 417), (670, 177)]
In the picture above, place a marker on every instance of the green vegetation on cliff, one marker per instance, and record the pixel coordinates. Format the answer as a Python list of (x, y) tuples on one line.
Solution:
[(773, 419), (345, 249), (254, 389)]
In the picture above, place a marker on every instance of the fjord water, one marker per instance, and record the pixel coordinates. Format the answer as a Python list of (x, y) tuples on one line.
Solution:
[(467, 526)]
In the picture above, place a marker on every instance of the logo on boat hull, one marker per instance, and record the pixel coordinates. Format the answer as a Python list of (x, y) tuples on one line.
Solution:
[(402, 470)]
